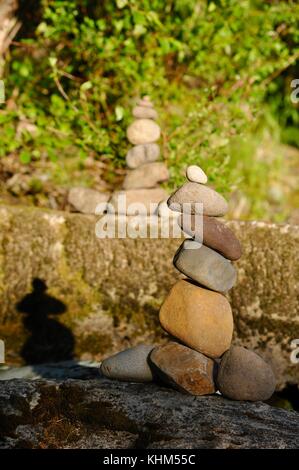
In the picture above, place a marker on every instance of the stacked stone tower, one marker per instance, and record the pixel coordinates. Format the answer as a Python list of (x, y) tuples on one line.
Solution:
[(196, 311), (141, 184), (199, 358)]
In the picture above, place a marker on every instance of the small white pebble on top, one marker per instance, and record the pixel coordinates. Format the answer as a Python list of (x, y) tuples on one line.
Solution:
[(195, 174)]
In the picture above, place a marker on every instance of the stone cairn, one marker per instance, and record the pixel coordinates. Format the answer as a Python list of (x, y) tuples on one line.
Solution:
[(199, 359), (141, 184)]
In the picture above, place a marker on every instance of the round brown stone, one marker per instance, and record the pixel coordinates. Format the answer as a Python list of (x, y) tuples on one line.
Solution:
[(183, 368), (243, 375), (200, 318), (213, 234)]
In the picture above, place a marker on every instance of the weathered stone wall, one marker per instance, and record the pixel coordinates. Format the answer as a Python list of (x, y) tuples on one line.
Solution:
[(112, 288)]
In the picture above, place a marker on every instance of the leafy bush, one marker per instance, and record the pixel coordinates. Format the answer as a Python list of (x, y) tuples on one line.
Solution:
[(216, 71)]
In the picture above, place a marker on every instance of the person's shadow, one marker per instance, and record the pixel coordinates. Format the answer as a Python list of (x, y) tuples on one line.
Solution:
[(50, 341)]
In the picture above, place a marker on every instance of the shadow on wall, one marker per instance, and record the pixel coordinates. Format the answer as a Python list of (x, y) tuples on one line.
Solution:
[(49, 340)]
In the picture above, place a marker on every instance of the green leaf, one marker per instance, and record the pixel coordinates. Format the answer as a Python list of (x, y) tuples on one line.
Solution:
[(121, 3), (25, 156), (86, 86), (119, 113), (53, 61), (139, 29)]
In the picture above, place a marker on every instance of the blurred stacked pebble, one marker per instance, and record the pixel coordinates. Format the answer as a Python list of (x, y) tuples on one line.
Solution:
[(141, 184)]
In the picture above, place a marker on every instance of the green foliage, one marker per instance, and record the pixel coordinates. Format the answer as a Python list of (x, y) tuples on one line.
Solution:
[(212, 68)]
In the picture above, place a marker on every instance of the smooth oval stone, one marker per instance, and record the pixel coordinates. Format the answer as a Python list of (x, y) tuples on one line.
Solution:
[(140, 154), (146, 176), (143, 131), (87, 200), (130, 365), (195, 174), (191, 193), (123, 202), (200, 318), (243, 375), (184, 369), (205, 266), (212, 233), (143, 112)]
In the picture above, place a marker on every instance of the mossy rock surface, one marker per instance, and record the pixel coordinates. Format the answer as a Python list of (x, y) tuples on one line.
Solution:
[(94, 412)]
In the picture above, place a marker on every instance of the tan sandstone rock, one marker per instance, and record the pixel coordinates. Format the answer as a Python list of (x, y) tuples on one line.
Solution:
[(200, 318)]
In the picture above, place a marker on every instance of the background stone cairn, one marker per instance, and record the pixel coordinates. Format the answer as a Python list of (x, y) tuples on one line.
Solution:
[(141, 184), (199, 359)]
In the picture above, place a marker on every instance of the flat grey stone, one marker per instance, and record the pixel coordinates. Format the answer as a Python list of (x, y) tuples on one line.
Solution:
[(185, 198), (130, 365), (205, 266), (86, 200)]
